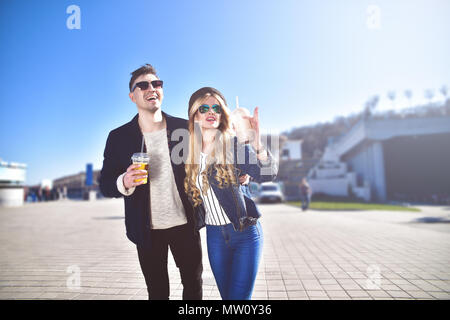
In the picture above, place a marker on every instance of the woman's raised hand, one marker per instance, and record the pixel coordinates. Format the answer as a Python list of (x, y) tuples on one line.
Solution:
[(254, 122)]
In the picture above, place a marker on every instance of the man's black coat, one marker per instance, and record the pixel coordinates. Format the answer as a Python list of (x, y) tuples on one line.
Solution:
[(120, 146)]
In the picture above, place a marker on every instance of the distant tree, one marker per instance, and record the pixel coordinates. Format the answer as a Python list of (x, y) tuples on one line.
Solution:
[(370, 106), (375, 100), (429, 94), (391, 96), (408, 95), (444, 92), (446, 107)]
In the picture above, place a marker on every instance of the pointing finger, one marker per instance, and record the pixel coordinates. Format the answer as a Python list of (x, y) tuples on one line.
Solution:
[(256, 113)]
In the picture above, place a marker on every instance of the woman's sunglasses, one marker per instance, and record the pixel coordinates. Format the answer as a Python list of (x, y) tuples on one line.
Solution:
[(143, 85), (204, 108)]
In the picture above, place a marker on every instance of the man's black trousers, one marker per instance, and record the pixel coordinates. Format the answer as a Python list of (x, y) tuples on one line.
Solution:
[(185, 246)]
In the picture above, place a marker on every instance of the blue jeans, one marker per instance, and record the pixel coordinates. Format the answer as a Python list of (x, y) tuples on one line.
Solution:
[(234, 258), (306, 199)]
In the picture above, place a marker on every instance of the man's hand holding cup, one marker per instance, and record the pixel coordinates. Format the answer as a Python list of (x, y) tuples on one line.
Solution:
[(135, 176), (137, 173)]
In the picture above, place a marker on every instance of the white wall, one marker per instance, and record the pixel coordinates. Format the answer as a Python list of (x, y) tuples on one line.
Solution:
[(336, 186), (333, 187), (362, 192), (11, 197), (8, 173), (294, 148), (369, 163), (330, 171)]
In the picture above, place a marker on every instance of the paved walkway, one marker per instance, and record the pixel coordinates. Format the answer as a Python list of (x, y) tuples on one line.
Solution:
[(78, 250)]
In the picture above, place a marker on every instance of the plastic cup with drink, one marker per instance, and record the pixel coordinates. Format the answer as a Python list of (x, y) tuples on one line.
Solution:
[(143, 160)]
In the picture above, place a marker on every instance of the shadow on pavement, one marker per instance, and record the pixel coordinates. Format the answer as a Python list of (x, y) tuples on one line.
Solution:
[(431, 220), (109, 218), (322, 210)]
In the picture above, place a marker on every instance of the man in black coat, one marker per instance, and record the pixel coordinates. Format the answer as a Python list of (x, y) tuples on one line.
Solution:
[(158, 214)]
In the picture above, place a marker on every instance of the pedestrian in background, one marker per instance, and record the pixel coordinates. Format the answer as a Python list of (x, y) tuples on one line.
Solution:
[(305, 193)]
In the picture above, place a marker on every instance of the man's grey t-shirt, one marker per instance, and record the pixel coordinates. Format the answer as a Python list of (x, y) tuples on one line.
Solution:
[(166, 206)]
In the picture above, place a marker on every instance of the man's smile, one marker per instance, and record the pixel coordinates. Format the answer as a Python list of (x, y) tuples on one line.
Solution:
[(152, 98)]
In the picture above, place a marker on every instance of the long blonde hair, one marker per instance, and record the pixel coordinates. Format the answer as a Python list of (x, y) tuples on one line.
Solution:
[(221, 158)]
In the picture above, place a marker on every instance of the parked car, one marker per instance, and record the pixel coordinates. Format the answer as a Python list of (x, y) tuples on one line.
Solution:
[(270, 192)]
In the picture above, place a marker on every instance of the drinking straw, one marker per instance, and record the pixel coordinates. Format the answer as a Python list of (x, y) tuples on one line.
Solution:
[(142, 144)]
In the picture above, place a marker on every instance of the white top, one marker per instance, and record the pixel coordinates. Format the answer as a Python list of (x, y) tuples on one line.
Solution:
[(215, 214), (167, 210)]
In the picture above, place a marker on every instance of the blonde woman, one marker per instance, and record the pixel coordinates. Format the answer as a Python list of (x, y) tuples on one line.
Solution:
[(215, 162)]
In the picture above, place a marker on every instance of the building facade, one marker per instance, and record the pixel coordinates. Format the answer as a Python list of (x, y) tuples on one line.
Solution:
[(389, 160), (12, 179)]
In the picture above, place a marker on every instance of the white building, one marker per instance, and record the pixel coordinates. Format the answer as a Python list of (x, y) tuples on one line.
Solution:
[(291, 150), (387, 159), (12, 178)]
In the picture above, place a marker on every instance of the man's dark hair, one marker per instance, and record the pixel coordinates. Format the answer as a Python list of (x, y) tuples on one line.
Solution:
[(145, 69)]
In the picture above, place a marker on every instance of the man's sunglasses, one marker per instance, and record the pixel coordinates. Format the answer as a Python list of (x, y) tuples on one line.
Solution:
[(204, 108), (143, 85)]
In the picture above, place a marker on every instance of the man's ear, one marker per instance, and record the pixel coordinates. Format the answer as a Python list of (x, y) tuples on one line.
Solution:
[(131, 95)]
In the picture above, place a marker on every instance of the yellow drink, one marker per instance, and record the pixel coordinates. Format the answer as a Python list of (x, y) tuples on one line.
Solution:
[(142, 159), (142, 166)]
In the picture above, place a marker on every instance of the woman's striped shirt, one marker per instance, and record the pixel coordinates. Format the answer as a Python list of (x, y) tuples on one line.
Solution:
[(215, 215)]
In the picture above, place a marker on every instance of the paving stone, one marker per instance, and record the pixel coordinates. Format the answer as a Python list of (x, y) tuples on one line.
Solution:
[(399, 294), (294, 295), (399, 281), (292, 282), (440, 295), (319, 298), (317, 255), (340, 298), (140, 297), (260, 287), (256, 295), (391, 287), (425, 285), (443, 285), (328, 281), (67, 295), (131, 292), (271, 283), (420, 295), (408, 287), (332, 287), (317, 293), (277, 295), (311, 285), (378, 294), (337, 294), (112, 297), (357, 294), (349, 285)]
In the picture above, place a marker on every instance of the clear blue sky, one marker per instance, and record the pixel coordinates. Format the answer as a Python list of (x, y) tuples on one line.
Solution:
[(301, 62)]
